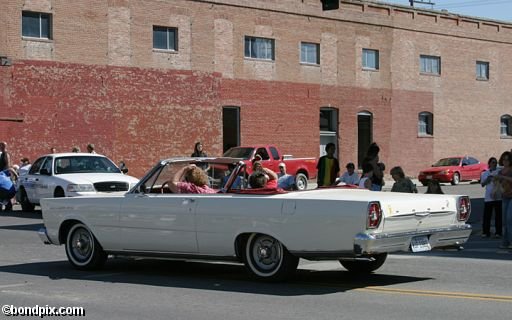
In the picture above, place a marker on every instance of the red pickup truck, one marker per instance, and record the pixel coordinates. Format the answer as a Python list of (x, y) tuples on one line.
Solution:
[(302, 168)]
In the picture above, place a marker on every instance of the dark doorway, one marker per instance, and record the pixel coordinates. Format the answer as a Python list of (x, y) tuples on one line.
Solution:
[(364, 134), (230, 127), (328, 128)]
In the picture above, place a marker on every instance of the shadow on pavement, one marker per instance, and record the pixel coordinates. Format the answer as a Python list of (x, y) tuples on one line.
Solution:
[(23, 227), (209, 276), (22, 214)]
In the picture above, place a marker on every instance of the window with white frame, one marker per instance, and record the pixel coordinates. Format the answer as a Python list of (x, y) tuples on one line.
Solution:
[(482, 70), (36, 25), (165, 38), (430, 65), (259, 48), (310, 53), (425, 124), (371, 59), (506, 126)]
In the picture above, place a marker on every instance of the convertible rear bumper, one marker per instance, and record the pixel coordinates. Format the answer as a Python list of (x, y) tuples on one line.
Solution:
[(392, 242)]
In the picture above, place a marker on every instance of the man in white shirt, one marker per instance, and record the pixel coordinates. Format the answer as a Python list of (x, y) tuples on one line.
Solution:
[(350, 176)]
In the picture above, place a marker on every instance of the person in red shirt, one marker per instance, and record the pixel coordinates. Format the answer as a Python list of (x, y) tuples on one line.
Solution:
[(190, 179), (262, 177)]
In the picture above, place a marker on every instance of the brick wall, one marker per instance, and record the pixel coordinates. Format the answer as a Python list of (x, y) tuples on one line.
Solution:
[(130, 114)]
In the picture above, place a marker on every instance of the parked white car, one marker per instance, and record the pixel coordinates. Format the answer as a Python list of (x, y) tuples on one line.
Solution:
[(267, 229), (70, 175)]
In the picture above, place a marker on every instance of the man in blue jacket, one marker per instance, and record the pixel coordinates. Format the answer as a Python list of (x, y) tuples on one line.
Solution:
[(7, 188)]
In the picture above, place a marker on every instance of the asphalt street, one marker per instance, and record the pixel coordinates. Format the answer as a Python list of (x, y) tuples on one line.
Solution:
[(442, 284)]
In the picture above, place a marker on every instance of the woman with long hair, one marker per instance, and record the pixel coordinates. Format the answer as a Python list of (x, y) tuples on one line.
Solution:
[(504, 178)]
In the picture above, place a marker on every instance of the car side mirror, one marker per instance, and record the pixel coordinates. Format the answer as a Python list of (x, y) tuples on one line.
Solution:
[(45, 172), (124, 170)]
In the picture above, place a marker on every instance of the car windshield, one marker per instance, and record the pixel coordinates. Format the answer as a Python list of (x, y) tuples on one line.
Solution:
[(218, 175), (84, 164), (244, 153), (447, 162)]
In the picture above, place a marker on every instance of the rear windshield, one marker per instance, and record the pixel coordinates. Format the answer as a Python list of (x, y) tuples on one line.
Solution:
[(447, 162), (244, 153)]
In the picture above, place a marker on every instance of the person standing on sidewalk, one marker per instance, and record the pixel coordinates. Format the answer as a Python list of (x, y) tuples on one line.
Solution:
[(504, 178), (492, 200), (328, 167), (5, 159)]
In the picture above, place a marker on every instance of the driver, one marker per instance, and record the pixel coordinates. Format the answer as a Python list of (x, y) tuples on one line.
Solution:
[(190, 179)]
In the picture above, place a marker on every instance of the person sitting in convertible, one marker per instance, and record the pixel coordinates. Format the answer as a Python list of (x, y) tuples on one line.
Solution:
[(262, 177), (190, 179)]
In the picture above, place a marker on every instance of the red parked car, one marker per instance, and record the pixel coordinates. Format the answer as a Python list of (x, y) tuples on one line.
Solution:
[(453, 170)]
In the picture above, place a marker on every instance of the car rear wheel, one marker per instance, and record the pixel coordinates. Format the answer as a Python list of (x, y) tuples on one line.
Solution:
[(26, 205), (267, 258), (456, 179), (301, 181), (368, 265), (83, 250)]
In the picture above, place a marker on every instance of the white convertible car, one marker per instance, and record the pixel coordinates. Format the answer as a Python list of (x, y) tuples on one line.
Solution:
[(70, 175), (268, 230)]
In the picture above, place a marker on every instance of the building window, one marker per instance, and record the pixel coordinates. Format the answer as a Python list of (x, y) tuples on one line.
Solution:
[(425, 124), (482, 70), (36, 25), (165, 38), (259, 48), (371, 59), (310, 53), (430, 65), (506, 126)]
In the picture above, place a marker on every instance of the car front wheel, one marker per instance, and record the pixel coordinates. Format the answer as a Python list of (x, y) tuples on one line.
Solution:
[(368, 265), (83, 250), (267, 258), (26, 205), (455, 179)]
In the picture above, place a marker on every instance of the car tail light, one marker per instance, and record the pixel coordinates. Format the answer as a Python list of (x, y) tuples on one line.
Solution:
[(374, 215), (464, 209)]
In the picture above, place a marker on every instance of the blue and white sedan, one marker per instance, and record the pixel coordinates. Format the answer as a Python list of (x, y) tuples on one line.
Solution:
[(70, 175)]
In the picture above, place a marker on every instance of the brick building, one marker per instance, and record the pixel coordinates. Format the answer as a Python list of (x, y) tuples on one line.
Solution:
[(144, 80)]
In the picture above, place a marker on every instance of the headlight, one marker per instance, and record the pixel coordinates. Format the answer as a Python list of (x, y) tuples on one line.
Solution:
[(80, 188), (444, 172)]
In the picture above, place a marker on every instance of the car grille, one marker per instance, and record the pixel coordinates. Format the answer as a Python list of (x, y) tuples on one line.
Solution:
[(111, 186)]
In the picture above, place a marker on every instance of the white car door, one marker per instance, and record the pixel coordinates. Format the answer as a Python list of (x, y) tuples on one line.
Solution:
[(158, 222), (30, 181), (44, 187)]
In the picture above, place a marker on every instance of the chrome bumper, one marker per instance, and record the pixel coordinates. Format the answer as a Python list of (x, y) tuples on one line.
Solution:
[(385, 242), (43, 235)]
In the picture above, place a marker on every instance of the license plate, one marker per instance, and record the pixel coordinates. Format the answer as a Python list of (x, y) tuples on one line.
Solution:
[(419, 244), (429, 177)]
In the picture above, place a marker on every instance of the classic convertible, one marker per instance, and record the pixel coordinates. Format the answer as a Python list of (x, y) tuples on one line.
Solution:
[(266, 229)]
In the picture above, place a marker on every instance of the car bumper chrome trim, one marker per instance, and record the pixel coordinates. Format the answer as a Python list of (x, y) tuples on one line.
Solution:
[(43, 235), (391, 242)]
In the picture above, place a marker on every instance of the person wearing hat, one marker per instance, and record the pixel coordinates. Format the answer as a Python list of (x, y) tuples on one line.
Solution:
[(285, 181), (262, 177)]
